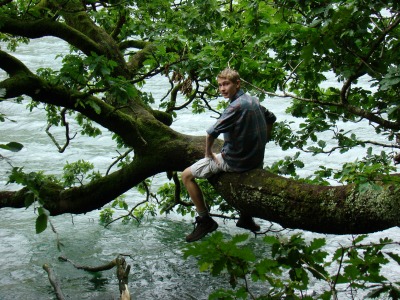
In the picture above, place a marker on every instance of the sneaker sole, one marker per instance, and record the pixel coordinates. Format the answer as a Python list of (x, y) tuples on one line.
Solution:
[(189, 240)]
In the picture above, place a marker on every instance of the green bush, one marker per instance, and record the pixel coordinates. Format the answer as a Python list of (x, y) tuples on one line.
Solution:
[(288, 268)]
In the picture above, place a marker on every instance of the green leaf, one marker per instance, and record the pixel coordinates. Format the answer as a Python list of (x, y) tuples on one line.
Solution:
[(378, 292), (322, 143), (293, 256), (218, 266), (269, 239), (95, 106), (394, 256), (12, 146), (43, 211), (240, 238), (41, 223), (317, 243), (29, 199), (205, 266), (359, 239), (351, 271)]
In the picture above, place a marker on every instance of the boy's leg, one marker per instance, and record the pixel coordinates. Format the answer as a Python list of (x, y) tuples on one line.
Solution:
[(204, 168), (247, 222), (204, 223), (194, 191)]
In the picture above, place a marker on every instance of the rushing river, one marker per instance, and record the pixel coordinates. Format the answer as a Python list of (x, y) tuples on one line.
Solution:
[(155, 247)]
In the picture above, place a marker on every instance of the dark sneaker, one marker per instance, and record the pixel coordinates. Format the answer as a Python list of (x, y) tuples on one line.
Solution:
[(205, 225), (248, 223)]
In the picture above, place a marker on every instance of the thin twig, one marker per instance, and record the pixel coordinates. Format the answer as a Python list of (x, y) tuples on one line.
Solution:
[(119, 158), (67, 137)]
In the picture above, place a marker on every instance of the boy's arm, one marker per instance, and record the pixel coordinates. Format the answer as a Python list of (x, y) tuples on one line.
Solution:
[(269, 131), (270, 119), (209, 143)]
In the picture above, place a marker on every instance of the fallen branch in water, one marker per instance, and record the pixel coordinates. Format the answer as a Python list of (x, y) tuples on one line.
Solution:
[(105, 267), (54, 282), (122, 274)]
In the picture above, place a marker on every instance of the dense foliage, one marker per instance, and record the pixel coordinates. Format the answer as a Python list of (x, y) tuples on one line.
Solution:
[(281, 49), (293, 265)]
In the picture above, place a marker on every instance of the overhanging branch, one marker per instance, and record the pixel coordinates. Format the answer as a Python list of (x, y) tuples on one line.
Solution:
[(48, 27), (353, 109), (11, 65)]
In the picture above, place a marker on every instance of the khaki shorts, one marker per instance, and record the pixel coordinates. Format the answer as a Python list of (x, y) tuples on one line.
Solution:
[(207, 167)]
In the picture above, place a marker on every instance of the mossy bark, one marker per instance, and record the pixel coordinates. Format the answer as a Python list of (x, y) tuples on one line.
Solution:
[(324, 209)]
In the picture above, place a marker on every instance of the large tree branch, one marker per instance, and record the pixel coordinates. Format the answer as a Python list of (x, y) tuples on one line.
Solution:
[(292, 204), (14, 199), (79, 31), (372, 117), (24, 82), (76, 16), (171, 154), (90, 106), (164, 150), (123, 13), (12, 65), (137, 44), (48, 27), (324, 209), (136, 61)]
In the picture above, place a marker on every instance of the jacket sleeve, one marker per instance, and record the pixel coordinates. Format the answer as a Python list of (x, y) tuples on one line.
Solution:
[(270, 118), (226, 122)]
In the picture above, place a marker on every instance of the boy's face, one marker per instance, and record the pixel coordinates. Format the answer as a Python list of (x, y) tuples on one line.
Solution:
[(227, 88)]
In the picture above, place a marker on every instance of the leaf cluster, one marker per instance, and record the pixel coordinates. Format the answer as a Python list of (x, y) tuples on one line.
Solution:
[(169, 200), (33, 181), (137, 214), (77, 173), (373, 171), (287, 268)]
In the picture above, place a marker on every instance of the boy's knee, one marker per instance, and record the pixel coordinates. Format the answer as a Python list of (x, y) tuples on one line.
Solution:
[(187, 175)]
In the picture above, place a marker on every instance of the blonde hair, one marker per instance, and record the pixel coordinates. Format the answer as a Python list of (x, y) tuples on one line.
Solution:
[(229, 74)]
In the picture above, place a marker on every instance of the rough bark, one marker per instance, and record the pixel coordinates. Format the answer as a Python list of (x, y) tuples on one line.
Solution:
[(323, 209), (44, 27)]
